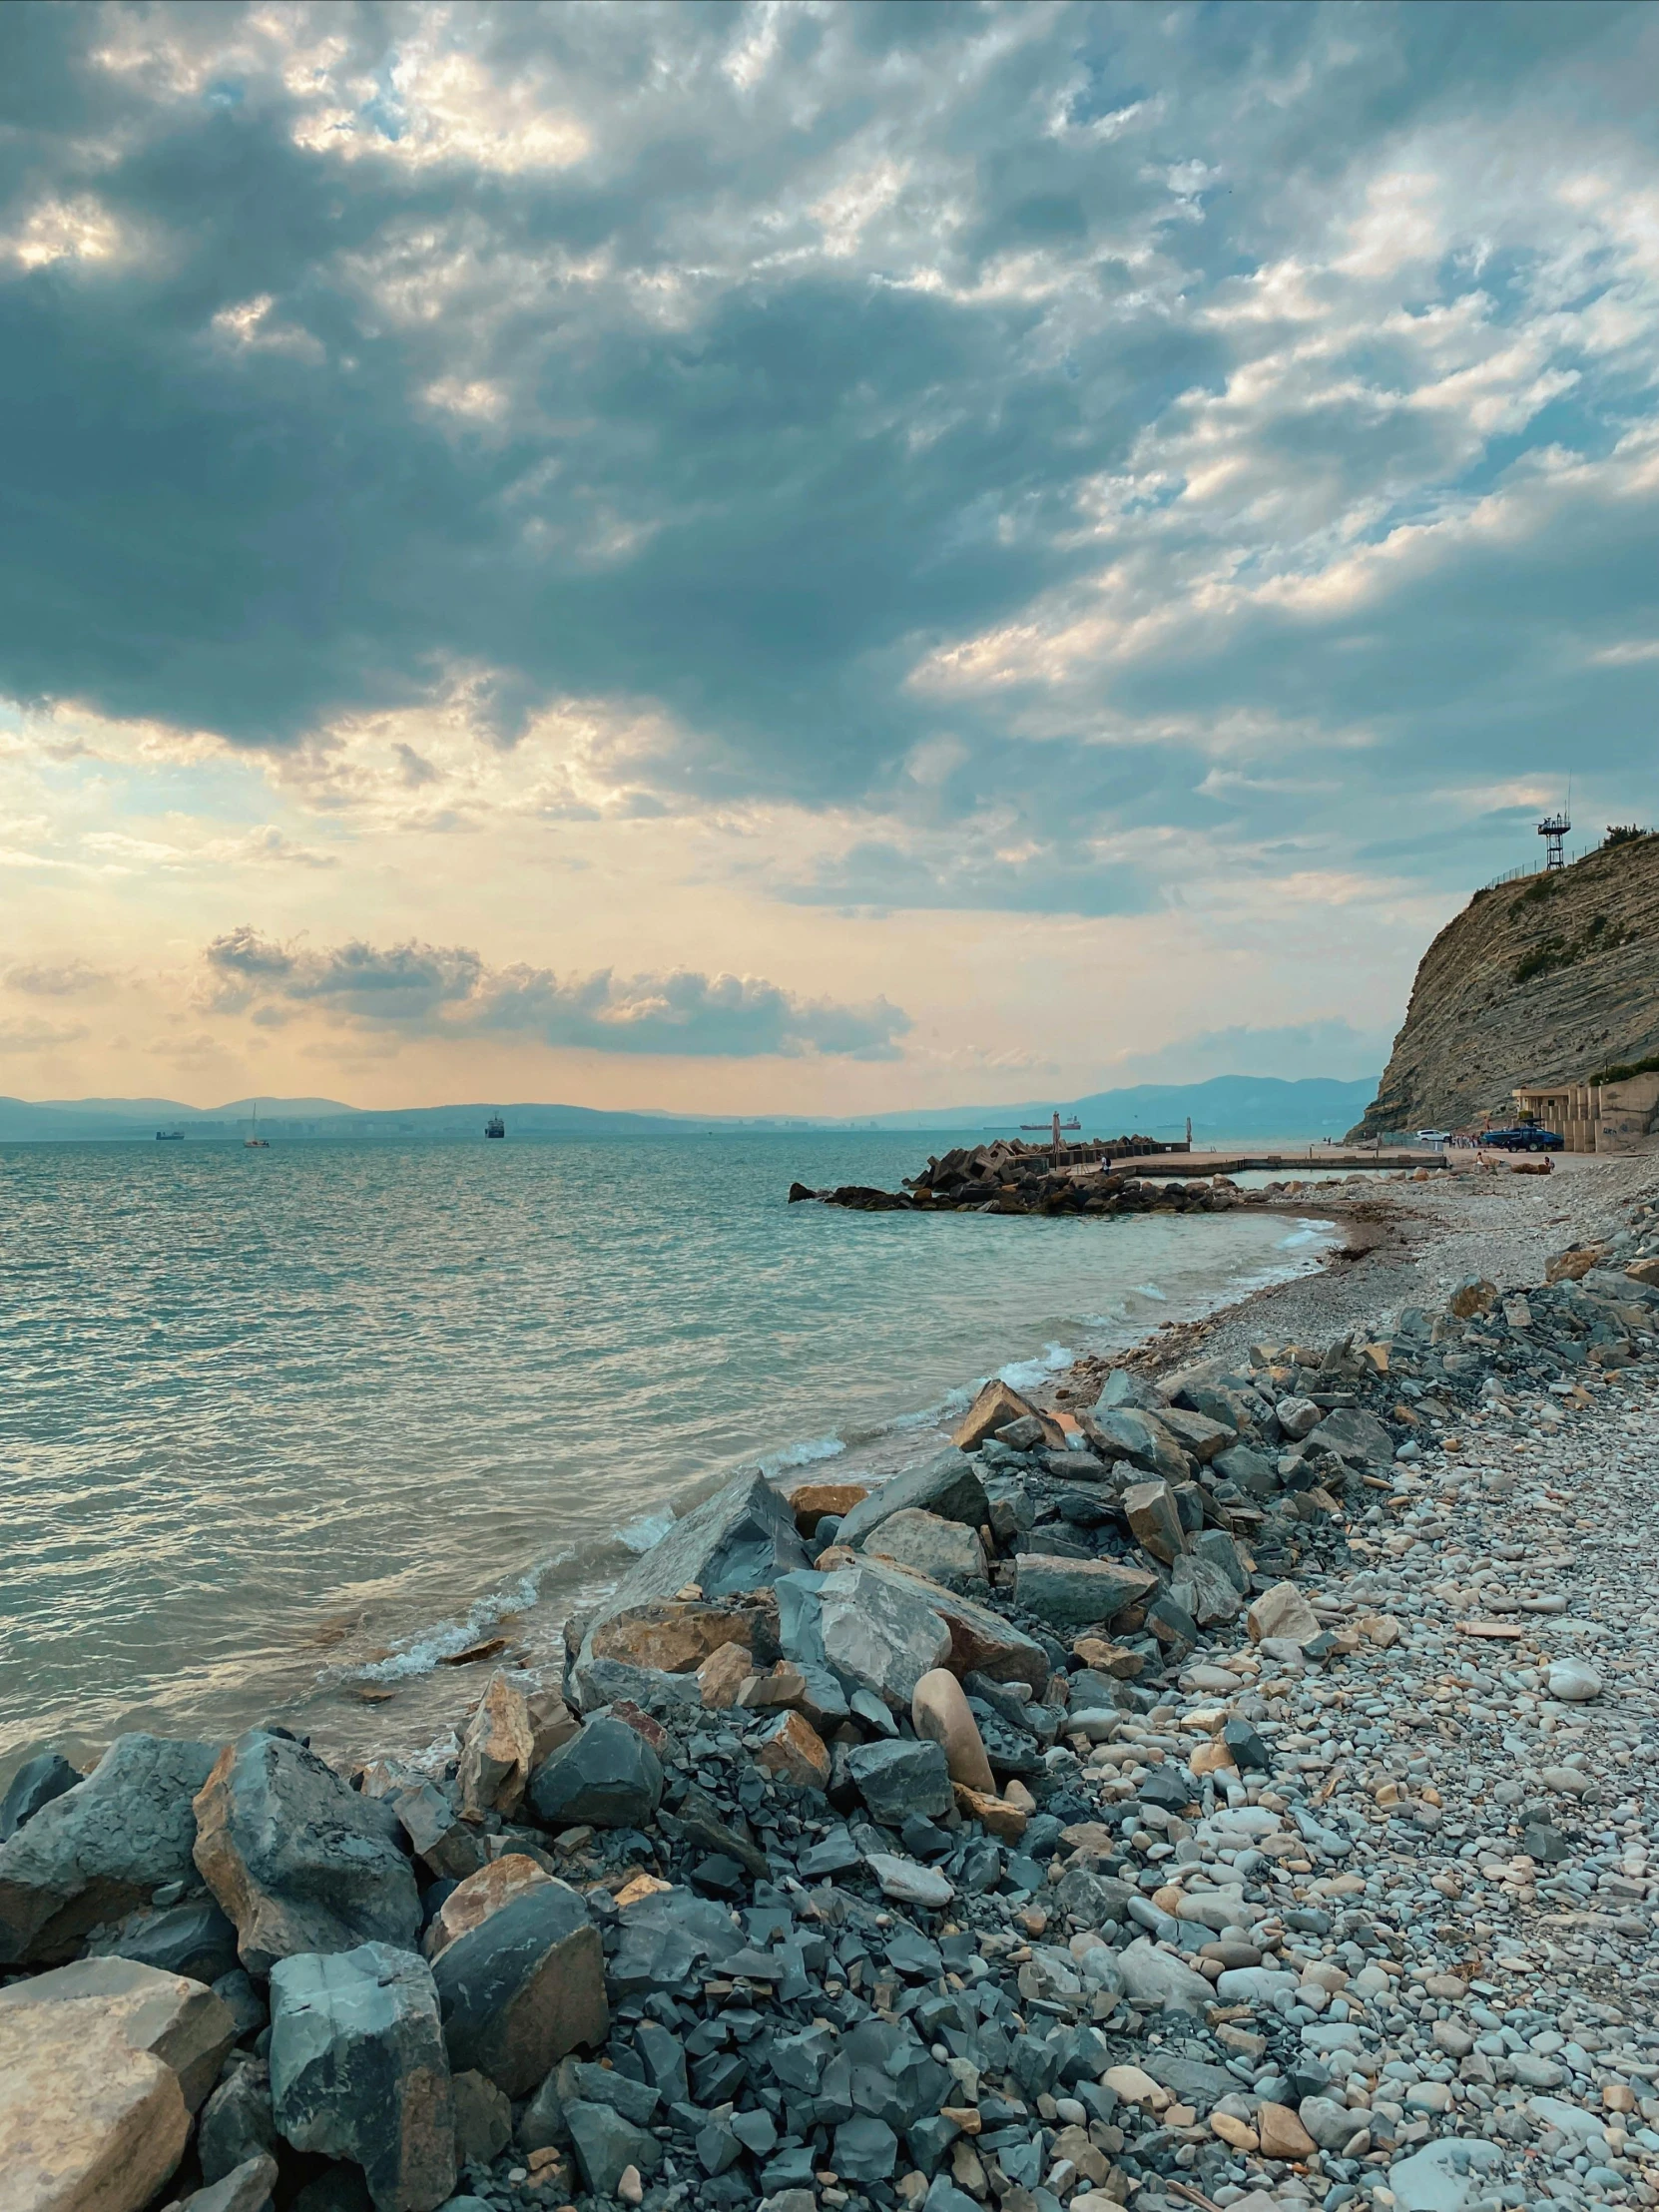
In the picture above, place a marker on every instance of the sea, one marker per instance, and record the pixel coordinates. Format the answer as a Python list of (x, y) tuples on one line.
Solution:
[(285, 1432)]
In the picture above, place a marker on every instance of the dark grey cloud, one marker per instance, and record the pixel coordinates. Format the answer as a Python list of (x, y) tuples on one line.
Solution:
[(449, 992), (740, 359)]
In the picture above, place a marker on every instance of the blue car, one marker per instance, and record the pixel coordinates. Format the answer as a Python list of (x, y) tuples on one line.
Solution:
[(1529, 1137)]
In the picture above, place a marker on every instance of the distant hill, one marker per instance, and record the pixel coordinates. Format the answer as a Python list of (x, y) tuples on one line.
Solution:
[(1225, 1106)]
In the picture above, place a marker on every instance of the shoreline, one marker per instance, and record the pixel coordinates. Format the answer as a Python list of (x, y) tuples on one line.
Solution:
[(1190, 1809)]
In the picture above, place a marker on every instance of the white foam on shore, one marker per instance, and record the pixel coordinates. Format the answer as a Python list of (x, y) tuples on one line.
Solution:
[(433, 1645), (805, 1455), (1026, 1374)]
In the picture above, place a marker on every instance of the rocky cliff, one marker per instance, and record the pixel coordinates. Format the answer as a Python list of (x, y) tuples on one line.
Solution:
[(1546, 980)]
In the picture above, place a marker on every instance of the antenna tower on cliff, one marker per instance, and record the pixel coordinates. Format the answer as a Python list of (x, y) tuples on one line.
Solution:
[(1552, 829)]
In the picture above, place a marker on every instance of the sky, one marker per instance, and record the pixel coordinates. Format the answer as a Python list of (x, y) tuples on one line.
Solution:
[(802, 558)]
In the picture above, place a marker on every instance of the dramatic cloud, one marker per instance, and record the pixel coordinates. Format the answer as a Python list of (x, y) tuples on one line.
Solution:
[(853, 472), (449, 992)]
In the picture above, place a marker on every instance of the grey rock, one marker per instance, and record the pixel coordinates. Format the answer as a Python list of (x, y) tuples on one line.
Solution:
[(1329, 2124), (1442, 2176), (742, 1538), (1088, 1897), (1124, 1387), (237, 2123), (36, 1783), (1252, 1471), (523, 1987), (581, 2083), (908, 1882), (437, 1835), (1353, 1433), (483, 2119), (899, 1779), (358, 2070), (865, 2150), (1154, 1519), (1197, 1434), (297, 1859), (101, 1850), (945, 1550), (1142, 1440), (195, 1939), (1204, 1591), (1297, 1416), (947, 1486), (1153, 1977), (247, 2188), (1218, 1547), (667, 1938), (607, 2144), (879, 1632), (606, 1777), (247, 2007), (1574, 1681), (601, 1682), (1076, 1593)]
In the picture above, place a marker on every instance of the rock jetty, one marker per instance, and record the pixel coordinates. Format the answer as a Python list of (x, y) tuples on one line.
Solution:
[(1231, 1794), (1011, 1178)]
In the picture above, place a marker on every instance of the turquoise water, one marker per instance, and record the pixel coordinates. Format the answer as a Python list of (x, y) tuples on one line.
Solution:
[(278, 1424)]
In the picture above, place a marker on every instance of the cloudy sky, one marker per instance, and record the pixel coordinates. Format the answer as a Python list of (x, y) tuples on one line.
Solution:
[(803, 557)]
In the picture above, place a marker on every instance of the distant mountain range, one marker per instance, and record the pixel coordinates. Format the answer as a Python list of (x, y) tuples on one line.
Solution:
[(1226, 1106)]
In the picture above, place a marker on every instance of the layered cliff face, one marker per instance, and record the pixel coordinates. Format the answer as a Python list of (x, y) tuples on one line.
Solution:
[(1543, 981)]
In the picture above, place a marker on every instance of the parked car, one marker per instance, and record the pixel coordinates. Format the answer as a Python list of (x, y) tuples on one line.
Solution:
[(1432, 1136), (1528, 1137)]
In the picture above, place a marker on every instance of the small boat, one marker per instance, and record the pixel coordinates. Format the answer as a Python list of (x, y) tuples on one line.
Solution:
[(169, 1136), (256, 1143), (495, 1126)]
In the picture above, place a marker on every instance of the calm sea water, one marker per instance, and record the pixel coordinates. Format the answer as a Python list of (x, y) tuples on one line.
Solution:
[(279, 1426)]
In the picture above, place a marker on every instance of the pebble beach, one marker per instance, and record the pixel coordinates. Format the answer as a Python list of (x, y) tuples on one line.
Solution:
[(1218, 1780)]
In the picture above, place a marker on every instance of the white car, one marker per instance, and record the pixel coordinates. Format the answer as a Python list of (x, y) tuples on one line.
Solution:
[(1432, 1136)]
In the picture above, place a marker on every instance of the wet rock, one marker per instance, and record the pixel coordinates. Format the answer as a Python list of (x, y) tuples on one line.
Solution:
[(1077, 1593), (472, 1902), (606, 1777), (1155, 1519), (900, 1778), (497, 1751), (299, 1861), (947, 1486), (945, 1550), (358, 2070), (1124, 1387), (183, 2023), (36, 1783), (101, 1850), (939, 1711), (523, 1987), (238, 2122)]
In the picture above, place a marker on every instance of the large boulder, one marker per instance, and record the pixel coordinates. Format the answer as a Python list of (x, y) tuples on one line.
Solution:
[(299, 1860), (1353, 1433), (1204, 1591), (523, 1987), (99, 1850), (945, 1550), (238, 2122), (358, 2070), (472, 1902), (1077, 1593), (947, 1486), (1154, 1518), (674, 1635), (941, 1713), (191, 1938), (1141, 1438), (178, 2020), (998, 1405), (742, 1538), (88, 2122), (607, 1777), (879, 1632), (1198, 1433), (979, 1640), (450, 1846)]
